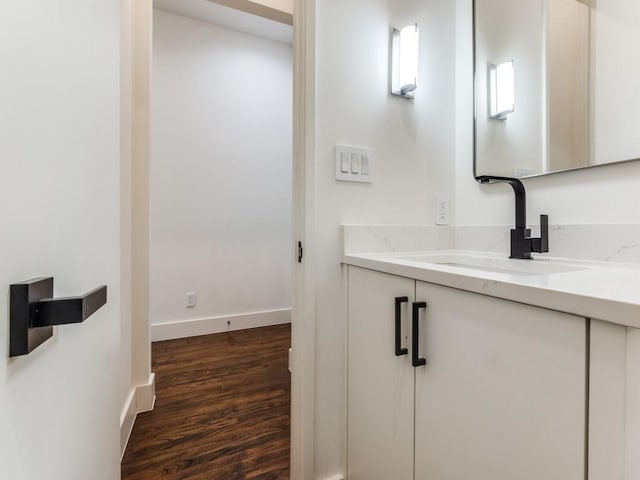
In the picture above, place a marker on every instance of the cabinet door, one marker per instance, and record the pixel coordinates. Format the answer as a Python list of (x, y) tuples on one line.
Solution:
[(608, 372), (380, 384), (502, 395)]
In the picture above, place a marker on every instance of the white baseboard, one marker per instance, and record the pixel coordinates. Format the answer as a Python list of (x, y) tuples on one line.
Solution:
[(141, 399), (207, 326), (146, 395), (127, 419)]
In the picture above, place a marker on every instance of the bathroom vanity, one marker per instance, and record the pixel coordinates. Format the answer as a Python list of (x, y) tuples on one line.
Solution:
[(472, 365)]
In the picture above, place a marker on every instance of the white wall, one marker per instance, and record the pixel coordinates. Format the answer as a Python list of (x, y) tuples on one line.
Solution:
[(221, 167), (413, 145), (603, 195), (59, 185)]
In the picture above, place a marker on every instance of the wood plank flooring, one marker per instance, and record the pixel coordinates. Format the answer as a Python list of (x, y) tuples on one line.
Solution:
[(222, 410)]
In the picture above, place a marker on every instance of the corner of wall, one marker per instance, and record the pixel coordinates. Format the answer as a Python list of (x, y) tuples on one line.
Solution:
[(136, 24), (141, 399), (142, 58)]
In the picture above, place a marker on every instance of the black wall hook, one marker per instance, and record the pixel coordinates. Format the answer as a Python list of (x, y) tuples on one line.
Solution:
[(33, 312)]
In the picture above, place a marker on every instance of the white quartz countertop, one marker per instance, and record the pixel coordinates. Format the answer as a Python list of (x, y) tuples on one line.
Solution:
[(599, 290)]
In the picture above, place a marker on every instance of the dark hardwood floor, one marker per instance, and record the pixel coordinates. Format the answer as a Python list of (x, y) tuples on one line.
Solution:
[(222, 410)]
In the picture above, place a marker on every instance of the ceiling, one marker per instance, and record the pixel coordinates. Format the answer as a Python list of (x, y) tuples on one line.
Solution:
[(209, 12)]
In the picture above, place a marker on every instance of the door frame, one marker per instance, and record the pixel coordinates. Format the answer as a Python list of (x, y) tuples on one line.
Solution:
[(303, 308), (303, 221)]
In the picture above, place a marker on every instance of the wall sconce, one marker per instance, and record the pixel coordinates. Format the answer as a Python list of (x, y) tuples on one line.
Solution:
[(501, 90), (404, 61)]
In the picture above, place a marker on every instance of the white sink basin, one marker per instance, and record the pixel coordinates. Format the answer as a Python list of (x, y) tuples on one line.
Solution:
[(493, 264)]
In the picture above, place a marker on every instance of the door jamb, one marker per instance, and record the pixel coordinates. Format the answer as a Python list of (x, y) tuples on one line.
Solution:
[(303, 312)]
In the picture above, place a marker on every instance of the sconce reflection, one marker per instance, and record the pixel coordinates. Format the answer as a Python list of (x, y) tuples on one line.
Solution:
[(501, 90)]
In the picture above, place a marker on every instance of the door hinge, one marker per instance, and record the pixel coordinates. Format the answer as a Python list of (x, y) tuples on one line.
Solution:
[(300, 252)]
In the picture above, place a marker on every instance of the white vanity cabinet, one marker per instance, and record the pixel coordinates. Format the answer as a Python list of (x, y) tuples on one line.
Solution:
[(501, 396), (380, 384)]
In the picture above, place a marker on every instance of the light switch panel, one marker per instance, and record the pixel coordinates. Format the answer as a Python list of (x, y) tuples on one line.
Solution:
[(354, 164)]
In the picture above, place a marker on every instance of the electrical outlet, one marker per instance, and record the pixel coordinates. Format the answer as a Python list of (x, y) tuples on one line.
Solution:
[(190, 299), (442, 210)]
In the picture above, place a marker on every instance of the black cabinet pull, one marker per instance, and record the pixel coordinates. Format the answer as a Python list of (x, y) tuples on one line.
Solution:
[(416, 361), (398, 343)]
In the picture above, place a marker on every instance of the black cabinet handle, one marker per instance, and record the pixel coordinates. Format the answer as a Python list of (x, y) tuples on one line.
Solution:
[(416, 361), (398, 318)]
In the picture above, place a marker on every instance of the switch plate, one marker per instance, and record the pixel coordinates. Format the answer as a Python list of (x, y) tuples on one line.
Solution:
[(359, 167), (190, 298), (442, 210)]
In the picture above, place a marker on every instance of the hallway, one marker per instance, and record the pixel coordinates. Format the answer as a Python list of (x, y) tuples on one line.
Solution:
[(222, 409)]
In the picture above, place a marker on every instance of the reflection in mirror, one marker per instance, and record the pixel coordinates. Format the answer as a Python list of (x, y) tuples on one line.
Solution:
[(557, 85), (501, 90)]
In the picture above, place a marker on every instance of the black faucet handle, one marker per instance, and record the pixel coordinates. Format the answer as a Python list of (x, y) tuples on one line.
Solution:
[(541, 245)]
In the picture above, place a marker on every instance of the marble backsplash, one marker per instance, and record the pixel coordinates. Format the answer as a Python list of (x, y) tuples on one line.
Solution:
[(396, 238), (611, 243)]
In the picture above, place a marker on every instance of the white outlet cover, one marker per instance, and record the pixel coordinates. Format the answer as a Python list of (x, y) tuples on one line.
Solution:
[(190, 298), (442, 210)]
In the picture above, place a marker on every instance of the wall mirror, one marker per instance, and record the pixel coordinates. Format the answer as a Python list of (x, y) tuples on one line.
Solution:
[(557, 85)]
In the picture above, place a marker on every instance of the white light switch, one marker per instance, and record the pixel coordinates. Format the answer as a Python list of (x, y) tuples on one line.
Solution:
[(345, 162), (364, 165), (354, 164)]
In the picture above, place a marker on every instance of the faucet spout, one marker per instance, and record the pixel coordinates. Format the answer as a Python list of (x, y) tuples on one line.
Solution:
[(520, 194)]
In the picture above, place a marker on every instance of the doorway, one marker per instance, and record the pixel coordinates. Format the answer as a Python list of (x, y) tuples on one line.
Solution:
[(220, 178)]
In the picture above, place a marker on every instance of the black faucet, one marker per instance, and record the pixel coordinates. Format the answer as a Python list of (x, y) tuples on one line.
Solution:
[(522, 245)]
